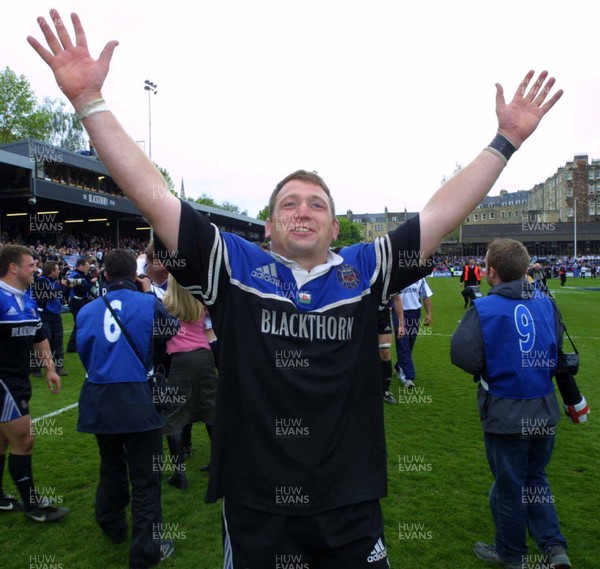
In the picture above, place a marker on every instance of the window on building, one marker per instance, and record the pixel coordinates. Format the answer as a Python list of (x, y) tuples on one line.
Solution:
[(592, 207), (502, 214), (492, 215), (569, 192), (467, 220), (358, 220), (591, 175), (591, 188), (379, 227), (483, 216), (475, 217), (570, 212), (508, 214)]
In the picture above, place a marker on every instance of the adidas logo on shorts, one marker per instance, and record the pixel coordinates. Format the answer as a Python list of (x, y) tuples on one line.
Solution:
[(378, 552)]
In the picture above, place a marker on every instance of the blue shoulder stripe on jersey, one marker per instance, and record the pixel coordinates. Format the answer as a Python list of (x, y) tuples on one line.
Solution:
[(257, 272), (12, 313)]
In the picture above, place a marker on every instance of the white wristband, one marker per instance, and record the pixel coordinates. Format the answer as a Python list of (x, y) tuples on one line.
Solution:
[(99, 109), (93, 107)]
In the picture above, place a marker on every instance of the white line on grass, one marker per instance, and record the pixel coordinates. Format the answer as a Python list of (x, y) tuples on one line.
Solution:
[(57, 412)]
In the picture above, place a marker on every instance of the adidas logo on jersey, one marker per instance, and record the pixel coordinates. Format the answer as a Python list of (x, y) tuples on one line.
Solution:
[(12, 311), (378, 552), (267, 273)]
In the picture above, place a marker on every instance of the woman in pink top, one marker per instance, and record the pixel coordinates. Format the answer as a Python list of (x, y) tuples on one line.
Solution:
[(192, 374)]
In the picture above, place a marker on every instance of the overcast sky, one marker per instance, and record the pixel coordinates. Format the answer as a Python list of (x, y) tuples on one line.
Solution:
[(382, 98)]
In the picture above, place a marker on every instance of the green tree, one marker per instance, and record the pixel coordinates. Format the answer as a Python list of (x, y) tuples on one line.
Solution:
[(228, 206), (205, 199), (350, 233), (263, 214), (65, 129), (20, 116), (168, 180)]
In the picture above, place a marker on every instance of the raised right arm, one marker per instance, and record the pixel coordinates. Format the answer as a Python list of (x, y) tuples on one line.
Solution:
[(81, 79)]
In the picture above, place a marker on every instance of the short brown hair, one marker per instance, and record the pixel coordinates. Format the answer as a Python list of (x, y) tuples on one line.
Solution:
[(12, 254), (509, 258), (48, 267), (303, 176)]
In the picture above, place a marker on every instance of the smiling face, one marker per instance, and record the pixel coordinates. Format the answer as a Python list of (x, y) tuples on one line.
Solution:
[(302, 226)]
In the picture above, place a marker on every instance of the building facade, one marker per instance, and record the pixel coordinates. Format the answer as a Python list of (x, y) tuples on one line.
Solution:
[(378, 224), (549, 219)]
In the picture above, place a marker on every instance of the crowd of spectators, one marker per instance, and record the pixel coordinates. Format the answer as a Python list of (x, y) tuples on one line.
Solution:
[(79, 244), (93, 246), (584, 266)]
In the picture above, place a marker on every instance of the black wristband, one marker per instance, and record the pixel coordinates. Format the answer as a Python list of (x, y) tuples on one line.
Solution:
[(502, 147)]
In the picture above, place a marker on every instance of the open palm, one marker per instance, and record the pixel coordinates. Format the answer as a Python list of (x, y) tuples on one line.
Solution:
[(78, 75), (519, 119)]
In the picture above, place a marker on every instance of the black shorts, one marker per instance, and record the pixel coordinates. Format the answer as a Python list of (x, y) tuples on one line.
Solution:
[(15, 394), (384, 322), (344, 538)]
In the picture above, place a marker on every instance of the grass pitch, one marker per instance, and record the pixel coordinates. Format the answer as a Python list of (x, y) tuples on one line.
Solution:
[(438, 475)]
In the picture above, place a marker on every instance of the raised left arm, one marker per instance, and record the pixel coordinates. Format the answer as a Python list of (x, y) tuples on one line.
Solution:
[(457, 198)]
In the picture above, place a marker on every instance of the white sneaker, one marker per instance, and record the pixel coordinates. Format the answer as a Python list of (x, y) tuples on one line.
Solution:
[(400, 373), (408, 383)]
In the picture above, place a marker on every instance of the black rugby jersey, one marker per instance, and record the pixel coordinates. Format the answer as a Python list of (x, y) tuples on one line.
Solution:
[(299, 418)]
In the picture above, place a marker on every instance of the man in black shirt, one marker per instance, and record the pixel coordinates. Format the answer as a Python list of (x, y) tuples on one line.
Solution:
[(298, 448), (21, 335), (80, 295)]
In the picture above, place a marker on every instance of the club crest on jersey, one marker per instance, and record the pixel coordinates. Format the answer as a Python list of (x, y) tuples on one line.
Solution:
[(304, 297), (348, 276)]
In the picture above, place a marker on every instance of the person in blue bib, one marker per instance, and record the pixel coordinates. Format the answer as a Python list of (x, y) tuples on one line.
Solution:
[(510, 342), (116, 404)]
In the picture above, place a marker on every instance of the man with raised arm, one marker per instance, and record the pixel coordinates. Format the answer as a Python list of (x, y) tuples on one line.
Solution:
[(298, 449)]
